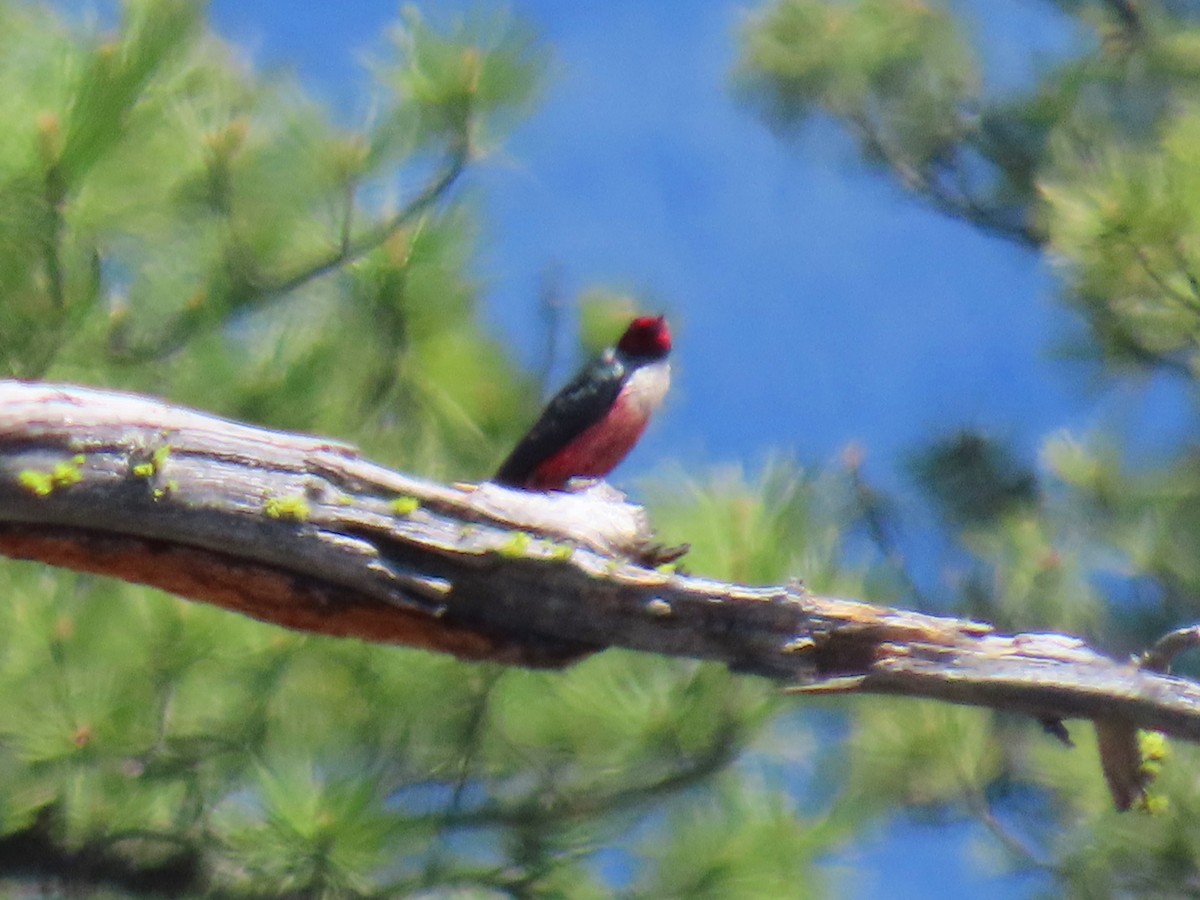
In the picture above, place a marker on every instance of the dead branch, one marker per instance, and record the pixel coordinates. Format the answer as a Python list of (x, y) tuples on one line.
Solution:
[(304, 533)]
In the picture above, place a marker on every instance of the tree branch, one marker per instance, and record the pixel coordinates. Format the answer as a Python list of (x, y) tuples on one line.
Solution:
[(304, 533), (923, 180)]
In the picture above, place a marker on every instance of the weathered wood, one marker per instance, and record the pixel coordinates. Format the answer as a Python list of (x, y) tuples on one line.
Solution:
[(305, 533)]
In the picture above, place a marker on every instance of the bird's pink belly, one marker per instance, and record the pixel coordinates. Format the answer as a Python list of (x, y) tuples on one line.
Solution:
[(595, 453)]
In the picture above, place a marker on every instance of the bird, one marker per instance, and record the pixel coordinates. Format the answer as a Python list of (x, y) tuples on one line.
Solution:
[(589, 426)]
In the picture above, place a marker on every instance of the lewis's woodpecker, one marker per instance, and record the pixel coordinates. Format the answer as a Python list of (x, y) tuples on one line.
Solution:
[(596, 419)]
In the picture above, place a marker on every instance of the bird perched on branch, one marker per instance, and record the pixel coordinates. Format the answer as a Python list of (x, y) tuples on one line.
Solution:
[(592, 423)]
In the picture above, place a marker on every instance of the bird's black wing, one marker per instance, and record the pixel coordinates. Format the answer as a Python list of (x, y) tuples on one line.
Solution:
[(578, 406)]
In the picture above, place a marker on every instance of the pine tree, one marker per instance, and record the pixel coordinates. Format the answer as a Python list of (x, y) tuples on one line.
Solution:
[(175, 223), (1092, 165)]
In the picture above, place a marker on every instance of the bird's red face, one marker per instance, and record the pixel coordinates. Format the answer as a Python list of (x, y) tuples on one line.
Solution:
[(646, 336)]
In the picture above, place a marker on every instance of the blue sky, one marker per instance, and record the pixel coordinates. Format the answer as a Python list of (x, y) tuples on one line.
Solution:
[(814, 305)]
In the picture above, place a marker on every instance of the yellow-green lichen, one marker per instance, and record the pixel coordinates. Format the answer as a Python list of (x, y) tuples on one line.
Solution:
[(148, 468), (561, 552), (1156, 804), (289, 509), (1154, 745), (667, 569), (39, 483), (404, 506), (516, 547), (66, 474), (167, 488), (62, 475)]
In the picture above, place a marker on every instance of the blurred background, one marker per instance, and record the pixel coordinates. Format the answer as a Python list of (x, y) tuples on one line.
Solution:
[(928, 266), (817, 304)]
